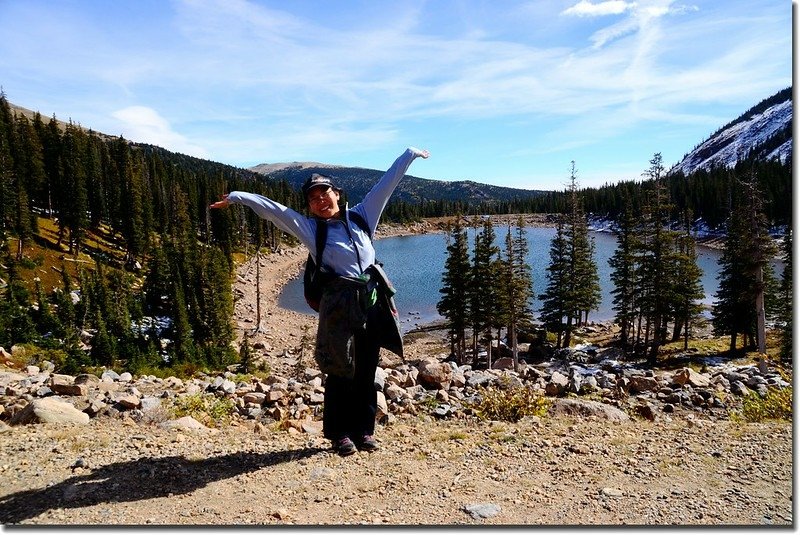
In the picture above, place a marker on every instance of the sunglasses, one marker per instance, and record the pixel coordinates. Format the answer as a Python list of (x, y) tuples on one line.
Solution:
[(320, 197)]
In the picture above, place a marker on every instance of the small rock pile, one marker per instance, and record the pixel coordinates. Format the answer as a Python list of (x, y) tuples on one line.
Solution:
[(440, 388)]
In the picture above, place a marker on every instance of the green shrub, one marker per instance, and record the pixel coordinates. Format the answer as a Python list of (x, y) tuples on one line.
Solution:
[(509, 404), (205, 408), (776, 405)]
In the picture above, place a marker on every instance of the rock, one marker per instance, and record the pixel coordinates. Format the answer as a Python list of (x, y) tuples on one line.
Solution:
[(186, 422), (150, 404), (275, 395), (129, 401), (476, 379), (688, 376), (612, 492), (281, 514), (173, 382), (434, 375), (256, 398), (639, 383), (557, 385), (383, 408), (646, 411), (580, 407), (110, 376), (49, 410), (380, 378), (64, 384), (442, 410), (87, 379), (395, 393), (311, 427), (480, 511), (125, 377)]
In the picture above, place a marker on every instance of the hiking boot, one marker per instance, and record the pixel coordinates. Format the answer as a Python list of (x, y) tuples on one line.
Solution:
[(344, 446), (367, 443)]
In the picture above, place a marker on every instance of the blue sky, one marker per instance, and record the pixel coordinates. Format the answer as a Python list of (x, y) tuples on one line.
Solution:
[(500, 91)]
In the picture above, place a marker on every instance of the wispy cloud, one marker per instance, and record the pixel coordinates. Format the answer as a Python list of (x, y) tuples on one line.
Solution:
[(143, 123), (584, 8), (244, 79)]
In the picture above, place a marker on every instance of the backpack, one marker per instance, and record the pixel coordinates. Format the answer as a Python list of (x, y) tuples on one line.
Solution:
[(314, 279)]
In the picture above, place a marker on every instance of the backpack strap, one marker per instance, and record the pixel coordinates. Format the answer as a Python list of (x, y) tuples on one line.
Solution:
[(319, 242), (360, 222)]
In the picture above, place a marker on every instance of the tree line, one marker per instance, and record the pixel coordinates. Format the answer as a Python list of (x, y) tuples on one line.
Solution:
[(656, 281)]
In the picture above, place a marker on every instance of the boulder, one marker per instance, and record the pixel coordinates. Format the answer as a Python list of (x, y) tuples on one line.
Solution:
[(186, 422), (65, 384), (49, 410), (557, 385), (688, 376), (434, 375), (580, 407), (640, 383)]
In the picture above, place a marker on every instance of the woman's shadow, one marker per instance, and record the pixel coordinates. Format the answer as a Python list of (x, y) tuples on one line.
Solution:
[(140, 479)]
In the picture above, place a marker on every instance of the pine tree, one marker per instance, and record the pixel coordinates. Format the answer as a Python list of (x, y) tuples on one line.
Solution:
[(585, 279), (483, 290), (623, 276), (554, 298), (745, 270), (786, 309), (216, 303), (72, 211), (687, 285), (516, 286), (454, 302), (657, 260)]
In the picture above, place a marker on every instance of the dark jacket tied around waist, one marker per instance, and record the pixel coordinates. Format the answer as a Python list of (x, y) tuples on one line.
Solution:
[(347, 305)]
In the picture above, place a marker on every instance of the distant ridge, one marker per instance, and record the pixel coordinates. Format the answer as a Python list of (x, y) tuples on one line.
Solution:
[(357, 181), (269, 168)]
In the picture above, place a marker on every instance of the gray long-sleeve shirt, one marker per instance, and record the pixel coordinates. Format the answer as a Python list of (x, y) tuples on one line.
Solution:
[(342, 255)]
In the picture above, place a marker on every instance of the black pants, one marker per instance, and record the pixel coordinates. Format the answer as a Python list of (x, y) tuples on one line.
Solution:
[(351, 404)]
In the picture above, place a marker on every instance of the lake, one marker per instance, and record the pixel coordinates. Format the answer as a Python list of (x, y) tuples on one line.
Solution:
[(415, 265)]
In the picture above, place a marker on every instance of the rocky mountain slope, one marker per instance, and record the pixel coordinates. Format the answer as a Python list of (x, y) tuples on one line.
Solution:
[(764, 131)]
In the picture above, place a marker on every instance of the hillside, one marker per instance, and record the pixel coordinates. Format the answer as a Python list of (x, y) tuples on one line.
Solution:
[(763, 132)]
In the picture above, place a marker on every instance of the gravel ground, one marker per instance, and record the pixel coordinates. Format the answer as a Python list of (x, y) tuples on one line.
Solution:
[(549, 471)]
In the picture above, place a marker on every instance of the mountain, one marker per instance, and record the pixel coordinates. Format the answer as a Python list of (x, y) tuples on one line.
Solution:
[(357, 181), (763, 132)]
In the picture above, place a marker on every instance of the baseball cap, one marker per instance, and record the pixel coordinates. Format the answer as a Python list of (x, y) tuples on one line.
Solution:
[(317, 179)]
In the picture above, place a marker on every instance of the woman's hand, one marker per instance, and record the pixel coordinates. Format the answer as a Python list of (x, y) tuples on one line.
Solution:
[(222, 203), (420, 152)]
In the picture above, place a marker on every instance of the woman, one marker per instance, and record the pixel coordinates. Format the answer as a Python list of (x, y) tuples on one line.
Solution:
[(350, 401)]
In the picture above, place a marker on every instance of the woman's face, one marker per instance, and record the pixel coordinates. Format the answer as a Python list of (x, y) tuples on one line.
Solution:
[(324, 202)]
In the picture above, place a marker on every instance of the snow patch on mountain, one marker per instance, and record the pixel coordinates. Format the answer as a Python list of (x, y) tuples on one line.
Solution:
[(737, 140)]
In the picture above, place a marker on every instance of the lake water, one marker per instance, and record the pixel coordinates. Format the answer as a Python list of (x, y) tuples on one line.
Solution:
[(415, 265)]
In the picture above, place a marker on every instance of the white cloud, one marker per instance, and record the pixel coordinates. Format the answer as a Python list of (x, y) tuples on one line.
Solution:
[(140, 123), (584, 8)]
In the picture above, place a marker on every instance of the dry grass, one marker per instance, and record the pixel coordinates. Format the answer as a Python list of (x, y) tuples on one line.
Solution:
[(47, 258)]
